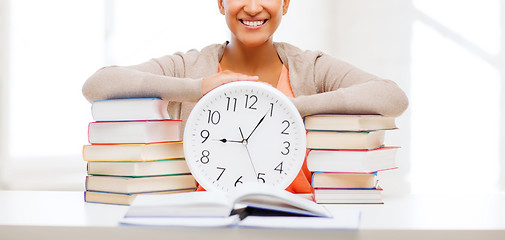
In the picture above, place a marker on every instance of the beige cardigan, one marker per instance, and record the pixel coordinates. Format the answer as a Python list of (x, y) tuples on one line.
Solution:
[(320, 83)]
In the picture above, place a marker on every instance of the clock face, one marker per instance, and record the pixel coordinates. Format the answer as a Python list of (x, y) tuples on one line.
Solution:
[(244, 132)]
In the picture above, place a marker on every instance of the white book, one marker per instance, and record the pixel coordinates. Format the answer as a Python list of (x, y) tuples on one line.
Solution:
[(352, 161), (139, 169), (277, 208), (342, 122), (349, 196), (347, 219), (330, 140), (133, 152), (344, 180), (127, 185), (128, 109), (117, 132), (122, 198), (220, 204)]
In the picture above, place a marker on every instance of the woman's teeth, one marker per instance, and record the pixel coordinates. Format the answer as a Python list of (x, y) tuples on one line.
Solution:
[(253, 23)]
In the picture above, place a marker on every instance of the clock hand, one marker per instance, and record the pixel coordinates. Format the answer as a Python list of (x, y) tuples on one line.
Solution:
[(244, 141), (241, 134), (261, 120), (250, 160), (224, 140)]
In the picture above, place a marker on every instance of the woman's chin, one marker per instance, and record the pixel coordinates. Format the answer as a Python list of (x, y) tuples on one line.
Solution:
[(253, 42)]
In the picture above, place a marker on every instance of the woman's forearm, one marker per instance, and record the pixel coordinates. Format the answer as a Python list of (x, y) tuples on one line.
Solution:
[(382, 97), (125, 82)]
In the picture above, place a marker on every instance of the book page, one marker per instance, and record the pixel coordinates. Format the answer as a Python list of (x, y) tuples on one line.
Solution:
[(182, 221), (267, 197), (190, 204), (343, 219)]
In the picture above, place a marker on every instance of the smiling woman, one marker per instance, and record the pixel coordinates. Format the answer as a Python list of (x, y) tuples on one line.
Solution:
[(317, 82), (43, 125)]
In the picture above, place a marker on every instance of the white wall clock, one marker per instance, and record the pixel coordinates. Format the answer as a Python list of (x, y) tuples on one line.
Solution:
[(244, 132)]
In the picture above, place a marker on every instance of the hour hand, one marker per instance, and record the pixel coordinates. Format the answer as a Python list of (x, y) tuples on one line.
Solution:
[(224, 140)]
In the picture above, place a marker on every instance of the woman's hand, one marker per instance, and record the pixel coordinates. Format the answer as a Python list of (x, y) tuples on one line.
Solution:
[(223, 77)]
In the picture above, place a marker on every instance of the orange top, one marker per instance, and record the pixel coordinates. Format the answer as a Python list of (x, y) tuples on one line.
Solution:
[(301, 184)]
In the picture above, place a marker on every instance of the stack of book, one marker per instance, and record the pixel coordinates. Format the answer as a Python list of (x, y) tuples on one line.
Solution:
[(346, 152), (135, 148)]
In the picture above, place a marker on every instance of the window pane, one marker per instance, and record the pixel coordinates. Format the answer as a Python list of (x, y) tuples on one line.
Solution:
[(53, 52), (455, 99)]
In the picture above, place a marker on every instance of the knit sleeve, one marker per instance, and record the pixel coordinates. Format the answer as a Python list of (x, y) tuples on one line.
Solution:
[(161, 77), (345, 89)]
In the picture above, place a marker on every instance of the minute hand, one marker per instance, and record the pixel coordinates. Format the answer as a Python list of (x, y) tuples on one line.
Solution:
[(261, 120)]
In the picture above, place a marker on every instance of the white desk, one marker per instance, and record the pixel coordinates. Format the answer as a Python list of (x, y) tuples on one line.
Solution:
[(65, 215)]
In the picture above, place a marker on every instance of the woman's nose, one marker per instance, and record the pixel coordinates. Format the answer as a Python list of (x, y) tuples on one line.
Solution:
[(253, 7)]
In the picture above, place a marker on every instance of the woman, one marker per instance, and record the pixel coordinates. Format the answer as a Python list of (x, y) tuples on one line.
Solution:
[(317, 83)]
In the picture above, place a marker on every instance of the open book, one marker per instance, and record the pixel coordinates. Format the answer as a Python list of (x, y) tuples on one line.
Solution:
[(253, 205)]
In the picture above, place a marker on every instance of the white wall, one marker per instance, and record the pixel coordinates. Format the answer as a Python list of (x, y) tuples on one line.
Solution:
[(4, 73)]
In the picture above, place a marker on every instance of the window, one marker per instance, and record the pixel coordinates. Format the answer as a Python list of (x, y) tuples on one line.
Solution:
[(52, 51), (457, 96), (54, 46)]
